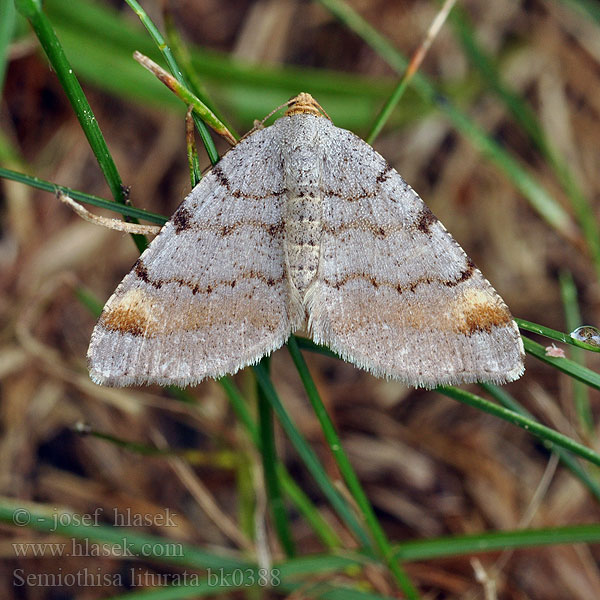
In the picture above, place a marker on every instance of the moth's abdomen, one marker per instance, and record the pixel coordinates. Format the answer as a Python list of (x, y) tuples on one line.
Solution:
[(303, 210), (303, 237)]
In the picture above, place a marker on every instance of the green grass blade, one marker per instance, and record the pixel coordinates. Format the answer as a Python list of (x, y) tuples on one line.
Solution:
[(129, 445), (327, 591), (33, 12), (324, 591), (413, 66), (546, 434), (321, 590), (183, 58), (488, 69), (192, 153), (303, 503), (565, 365), (306, 344), (178, 592), (325, 532), (269, 461), (385, 113), (310, 458), (213, 155), (187, 97), (89, 300), (447, 546), (567, 459), (498, 541), (552, 334), (47, 519), (53, 188), (240, 407), (348, 473)]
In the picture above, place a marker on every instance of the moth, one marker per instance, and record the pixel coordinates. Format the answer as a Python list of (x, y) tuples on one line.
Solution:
[(303, 225)]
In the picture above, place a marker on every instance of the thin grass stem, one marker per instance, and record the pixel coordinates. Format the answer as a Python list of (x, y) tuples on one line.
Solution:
[(33, 12), (269, 461), (411, 69), (156, 35), (566, 458), (310, 459), (546, 434), (581, 397), (345, 467)]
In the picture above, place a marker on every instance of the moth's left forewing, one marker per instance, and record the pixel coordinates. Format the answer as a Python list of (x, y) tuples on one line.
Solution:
[(395, 294), (210, 293)]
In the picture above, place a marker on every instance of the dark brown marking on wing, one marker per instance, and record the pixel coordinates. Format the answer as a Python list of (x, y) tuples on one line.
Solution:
[(221, 177), (344, 195), (182, 219), (224, 181), (465, 274), (141, 271), (379, 180), (425, 220), (273, 229), (422, 224), (384, 174)]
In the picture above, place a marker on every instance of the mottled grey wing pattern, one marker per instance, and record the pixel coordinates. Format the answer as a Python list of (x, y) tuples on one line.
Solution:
[(210, 294), (395, 294)]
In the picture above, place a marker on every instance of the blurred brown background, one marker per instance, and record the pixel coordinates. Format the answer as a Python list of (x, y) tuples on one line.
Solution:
[(430, 466)]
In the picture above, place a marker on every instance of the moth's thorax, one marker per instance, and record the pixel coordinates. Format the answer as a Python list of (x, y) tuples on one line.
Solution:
[(303, 206)]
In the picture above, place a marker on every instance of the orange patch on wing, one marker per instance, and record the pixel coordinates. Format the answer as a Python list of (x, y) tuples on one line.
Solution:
[(480, 311), (483, 318), (132, 313), (136, 313)]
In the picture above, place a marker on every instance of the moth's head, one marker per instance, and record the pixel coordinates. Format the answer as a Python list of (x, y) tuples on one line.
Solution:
[(304, 103)]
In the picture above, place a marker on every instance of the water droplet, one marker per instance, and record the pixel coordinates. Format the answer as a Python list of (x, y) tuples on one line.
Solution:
[(588, 334)]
